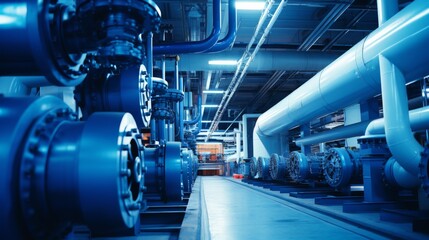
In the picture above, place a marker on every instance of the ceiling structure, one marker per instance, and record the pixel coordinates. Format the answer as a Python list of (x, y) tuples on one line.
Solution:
[(305, 31)]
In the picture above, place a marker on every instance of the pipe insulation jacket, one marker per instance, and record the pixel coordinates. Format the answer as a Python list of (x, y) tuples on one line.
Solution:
[(402, 39)]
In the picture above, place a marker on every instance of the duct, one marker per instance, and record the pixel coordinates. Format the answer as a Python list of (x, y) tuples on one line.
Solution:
[(229, 39), (197, 46), (403, 35), (265, 60)]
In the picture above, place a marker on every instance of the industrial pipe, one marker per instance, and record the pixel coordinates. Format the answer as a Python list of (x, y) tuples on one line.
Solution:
[(229, 39), (404, 34), (198, 115), (265, 60), (419, 120), (49, 161), (198, 46), (402, 144)]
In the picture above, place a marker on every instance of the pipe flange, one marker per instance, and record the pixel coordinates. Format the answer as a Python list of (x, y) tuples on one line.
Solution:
[(174, 95), (424, 170), (162, 113), (147, 12), (32, 174), (173, 172), (263, 168), (337, 168), (277, 167), (298, 166), (253, 167), (159, 86)]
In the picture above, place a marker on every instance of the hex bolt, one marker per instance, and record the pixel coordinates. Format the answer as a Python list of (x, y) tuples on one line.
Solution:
[(134, 206), (126, 172), (125, 195)]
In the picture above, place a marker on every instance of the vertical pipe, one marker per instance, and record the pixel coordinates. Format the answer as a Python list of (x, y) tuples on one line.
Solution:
[(153, 129), (404, 148), (176, 104), (149, 63), (181, 111), (229, 39), (386, 9)]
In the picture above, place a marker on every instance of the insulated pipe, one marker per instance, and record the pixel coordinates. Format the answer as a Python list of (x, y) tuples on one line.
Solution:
[(181, 111), (404, 148), (265, 60), (352, 130), (198, 46), (419, 120), (229, 39), (401, 39)]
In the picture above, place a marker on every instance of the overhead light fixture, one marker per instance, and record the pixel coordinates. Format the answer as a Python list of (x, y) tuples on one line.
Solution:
[(249, 5), (206, 121), (209, 106), (213, 92), (223, 62)]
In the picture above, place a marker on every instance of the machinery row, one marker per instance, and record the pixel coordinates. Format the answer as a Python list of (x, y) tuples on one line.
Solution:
[(126, 140), (388, 159)]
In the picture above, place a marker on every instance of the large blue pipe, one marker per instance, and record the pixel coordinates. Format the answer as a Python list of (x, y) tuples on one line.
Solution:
[(355, 76), (198, 46), (229, 39)]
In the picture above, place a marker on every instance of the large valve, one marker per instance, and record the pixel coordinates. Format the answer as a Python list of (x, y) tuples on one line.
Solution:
[(164, 171), (57, 171), (107, 90), (55, 40)]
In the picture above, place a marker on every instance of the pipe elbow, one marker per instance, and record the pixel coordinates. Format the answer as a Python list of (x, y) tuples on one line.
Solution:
[(397, 176)]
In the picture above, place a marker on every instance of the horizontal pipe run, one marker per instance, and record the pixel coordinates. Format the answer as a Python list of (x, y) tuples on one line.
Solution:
[(401, 39), (265, 60), (419, 120)]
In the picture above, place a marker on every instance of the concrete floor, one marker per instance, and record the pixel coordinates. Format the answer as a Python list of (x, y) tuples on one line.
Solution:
[(234, 211)]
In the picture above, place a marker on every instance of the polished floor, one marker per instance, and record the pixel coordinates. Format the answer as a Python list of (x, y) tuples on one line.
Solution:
[(234, 211)]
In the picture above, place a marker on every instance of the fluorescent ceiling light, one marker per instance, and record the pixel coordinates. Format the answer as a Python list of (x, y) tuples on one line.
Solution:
[(206, 121), (213, 91), (223, 62), (250, 5), (210, 106)]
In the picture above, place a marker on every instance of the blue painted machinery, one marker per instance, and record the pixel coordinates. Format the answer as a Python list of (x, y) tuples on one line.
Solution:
[(278, 167), (304, 168), (163, 165), (342, 167), (263, 168), (58, 171)]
